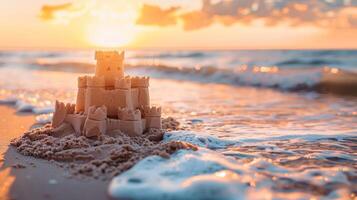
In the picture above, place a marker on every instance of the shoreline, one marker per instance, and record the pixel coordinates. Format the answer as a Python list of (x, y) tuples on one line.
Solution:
[(23, 177)]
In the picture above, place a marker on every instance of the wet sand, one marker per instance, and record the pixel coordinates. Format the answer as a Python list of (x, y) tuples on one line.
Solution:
[(23, 177)]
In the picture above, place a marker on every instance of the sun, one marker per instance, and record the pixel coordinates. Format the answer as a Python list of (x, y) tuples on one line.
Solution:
[(110, 28), (110, 35)]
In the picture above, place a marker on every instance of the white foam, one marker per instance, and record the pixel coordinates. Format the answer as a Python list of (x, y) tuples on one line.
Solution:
[(198, 139), (44, 118), (187, 175), (43, 110), (22, 106), (211, 142), (9, 101), (206, 174)]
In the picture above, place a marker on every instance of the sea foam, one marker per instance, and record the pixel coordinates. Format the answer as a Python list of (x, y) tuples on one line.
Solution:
[(209, 174)]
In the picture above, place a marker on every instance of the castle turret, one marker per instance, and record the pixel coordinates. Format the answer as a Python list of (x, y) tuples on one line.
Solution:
[(110, 66), (61, 110), (142, 86), (130, 121), (152, 116), (82, 85), (123, 83), (95, 124), (94, 92)]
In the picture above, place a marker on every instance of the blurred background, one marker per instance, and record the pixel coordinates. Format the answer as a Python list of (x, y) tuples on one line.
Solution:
[(271, 84), (290, 45), (286, 45), (179, 24)]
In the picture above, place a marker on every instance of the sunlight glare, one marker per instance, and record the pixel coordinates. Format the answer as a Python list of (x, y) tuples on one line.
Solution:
[(106, 35), (112, 29)]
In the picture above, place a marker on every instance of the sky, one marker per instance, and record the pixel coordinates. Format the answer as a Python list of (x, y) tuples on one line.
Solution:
[(178, 24)]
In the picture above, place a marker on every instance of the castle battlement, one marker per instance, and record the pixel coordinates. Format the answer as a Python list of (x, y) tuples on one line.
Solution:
[(109, 55), (140, 82), (95, 81), (97, 113), (61, 110), (151, 111), (123, 83), (129, 114)]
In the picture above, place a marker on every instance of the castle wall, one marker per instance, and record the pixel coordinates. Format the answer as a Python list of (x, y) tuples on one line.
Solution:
[(153, 122), (113, 124), (143, 97), (112, 99), (77, 122), (135, 97), (124, 95), (121, 99), (132, 128)]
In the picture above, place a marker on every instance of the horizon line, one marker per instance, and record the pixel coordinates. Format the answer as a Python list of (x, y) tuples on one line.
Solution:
[(166, 48)]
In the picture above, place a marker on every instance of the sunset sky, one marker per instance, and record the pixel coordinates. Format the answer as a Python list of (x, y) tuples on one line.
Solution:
[(179, 24)]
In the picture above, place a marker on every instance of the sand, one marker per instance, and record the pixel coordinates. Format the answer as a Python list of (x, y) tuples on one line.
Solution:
[(57, 176), (100, 157)]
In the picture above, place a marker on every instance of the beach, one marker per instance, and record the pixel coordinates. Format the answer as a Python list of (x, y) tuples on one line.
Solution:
[(178, 100), (284, 131), (23, 177)]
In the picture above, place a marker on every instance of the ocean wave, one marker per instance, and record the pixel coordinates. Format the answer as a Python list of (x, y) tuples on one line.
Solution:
[(77, 67), (309, 63), (338, 53), (23, 107), (323, 79), (200, 140), (243, 171), (43, 113), (169, 55)]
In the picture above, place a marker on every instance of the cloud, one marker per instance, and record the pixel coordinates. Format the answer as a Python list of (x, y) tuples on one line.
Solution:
[(324, 13), (48, 12), (62, 13), (154, 15), (321, 13), (329, 14), (196, 20)]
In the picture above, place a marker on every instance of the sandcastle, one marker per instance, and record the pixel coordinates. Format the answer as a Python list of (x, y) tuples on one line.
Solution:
[(109, 101)]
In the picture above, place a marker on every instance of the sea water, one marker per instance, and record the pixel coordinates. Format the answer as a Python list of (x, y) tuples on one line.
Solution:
[(268, 124)]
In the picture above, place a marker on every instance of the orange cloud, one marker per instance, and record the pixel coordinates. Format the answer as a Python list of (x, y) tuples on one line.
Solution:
[(64, 13), (48, 12), (320, 13), (154, 15), (195, 20)]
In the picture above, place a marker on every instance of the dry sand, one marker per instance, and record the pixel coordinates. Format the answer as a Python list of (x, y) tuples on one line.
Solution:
[(100, 157), (25, 177), (37, 179)]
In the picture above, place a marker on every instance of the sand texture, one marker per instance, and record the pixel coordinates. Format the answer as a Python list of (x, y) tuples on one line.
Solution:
[(26, 177), (100, 157)]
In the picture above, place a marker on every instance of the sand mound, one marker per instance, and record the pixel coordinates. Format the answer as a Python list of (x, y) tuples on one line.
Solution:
[(101, 157)]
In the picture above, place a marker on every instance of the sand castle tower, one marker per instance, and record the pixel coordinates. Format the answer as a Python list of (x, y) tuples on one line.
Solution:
[(109, 66), (109, 100)]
